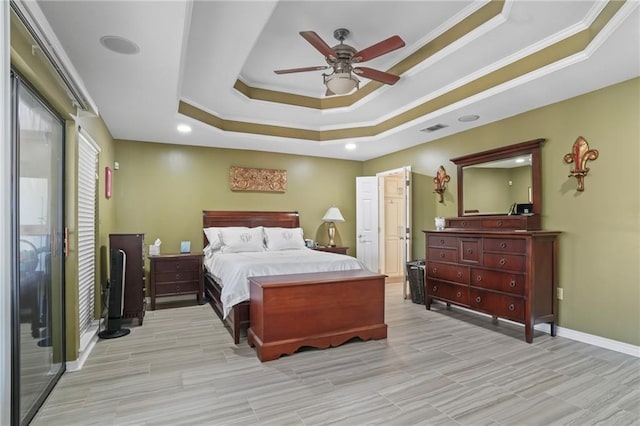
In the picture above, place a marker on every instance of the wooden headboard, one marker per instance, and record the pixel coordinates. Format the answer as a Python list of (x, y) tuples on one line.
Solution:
[(250, 219)]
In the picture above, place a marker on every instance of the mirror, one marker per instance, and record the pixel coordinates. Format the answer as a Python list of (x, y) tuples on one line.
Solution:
[(492, 182)]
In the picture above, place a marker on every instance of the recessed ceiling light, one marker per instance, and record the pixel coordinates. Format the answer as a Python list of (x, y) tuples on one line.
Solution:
[(119, 45), (350, 146), (519, 160), (466, 118), (184, 128)]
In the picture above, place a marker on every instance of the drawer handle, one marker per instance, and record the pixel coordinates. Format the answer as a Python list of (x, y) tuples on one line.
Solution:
[(464, 223), (177, 288), (479, 278), (435, 288), (469, 251), (499, 223), (442, 254), (503, 245), (502, 261), (478, 299), (177, 276), (458, 295), (512, 307), (459, 274), (512, 283), (441, 242), (435, 271)]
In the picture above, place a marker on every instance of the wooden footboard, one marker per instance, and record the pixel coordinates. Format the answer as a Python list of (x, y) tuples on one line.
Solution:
[(238, 318), (317, 309)]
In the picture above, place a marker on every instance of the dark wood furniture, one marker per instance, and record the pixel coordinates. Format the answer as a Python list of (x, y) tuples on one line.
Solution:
[(238, 318), (529, 222), (506, 274), (175, 275), (134, 278), (502, 265), (316, 309), (339, 250)]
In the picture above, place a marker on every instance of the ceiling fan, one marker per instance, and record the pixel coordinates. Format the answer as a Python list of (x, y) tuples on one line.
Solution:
[(342, 58)]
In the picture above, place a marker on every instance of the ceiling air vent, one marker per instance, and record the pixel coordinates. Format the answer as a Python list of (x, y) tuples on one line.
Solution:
[(434, 128)]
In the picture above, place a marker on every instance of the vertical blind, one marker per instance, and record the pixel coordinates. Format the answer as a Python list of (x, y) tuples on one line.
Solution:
[(87, 183)]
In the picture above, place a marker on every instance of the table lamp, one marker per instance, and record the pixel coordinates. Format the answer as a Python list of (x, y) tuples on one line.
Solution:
[(332, 215)]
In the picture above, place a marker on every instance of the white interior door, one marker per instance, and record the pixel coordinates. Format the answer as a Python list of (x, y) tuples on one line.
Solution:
[(367, 244), (405, 231)]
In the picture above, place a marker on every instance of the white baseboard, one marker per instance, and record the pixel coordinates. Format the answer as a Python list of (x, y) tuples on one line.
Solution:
[(594, 340), (77, 364), (578, 336)]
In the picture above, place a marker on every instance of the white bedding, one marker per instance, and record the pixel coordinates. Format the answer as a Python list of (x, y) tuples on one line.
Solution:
[(234, 269)]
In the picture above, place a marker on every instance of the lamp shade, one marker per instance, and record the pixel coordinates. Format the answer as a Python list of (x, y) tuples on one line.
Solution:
[(333, 215), (341, 83)]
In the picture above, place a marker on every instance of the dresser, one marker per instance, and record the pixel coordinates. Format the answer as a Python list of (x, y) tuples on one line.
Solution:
[(176, 275), (134, 277), (506, 274)]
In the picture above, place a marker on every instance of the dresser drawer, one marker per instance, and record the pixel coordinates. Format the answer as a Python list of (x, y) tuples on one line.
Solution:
[(167, 277), (443, 271), (500, 305), (463, 223), (177, 288), (504, 223), (470, 250), (507, 245), (442, 241), (177, 265), (508, 262), (498, 281), (449, 292), (443, 254)]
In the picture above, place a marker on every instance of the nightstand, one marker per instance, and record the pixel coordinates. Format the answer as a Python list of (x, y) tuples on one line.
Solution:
[(175, 275), (339, 250)]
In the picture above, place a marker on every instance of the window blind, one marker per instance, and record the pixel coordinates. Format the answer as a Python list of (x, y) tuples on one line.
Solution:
[(86, 231)]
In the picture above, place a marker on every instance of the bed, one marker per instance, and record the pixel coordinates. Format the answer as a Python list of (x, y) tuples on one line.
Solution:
[(234, 310)]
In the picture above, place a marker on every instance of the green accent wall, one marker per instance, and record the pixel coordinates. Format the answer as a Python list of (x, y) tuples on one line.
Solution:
[(599, 259), (162, 189)]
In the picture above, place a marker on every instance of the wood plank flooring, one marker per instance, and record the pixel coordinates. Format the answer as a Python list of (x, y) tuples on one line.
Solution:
[(439, 367)]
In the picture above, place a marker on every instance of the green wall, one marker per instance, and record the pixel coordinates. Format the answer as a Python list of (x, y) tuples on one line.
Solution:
[(162, 189), (599, 260)]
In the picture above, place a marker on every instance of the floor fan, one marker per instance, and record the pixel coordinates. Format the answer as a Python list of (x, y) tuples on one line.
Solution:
[(115, 296)]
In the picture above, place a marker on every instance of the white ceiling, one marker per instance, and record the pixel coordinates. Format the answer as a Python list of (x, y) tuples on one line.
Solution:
[(194, 51)]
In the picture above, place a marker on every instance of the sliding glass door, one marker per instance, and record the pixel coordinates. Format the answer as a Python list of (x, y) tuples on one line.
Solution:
[(38, 277)]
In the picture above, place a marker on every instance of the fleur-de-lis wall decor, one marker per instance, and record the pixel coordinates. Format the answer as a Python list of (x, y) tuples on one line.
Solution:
[(579, 155), (441, 180)]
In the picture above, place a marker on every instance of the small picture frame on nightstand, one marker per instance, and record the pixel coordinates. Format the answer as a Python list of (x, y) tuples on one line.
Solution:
[(185, 247)]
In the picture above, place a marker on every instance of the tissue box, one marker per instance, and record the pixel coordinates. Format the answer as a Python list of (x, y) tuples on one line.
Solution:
[(154, 250)]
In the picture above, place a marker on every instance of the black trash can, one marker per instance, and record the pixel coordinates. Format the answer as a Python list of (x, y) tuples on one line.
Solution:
[(415, 273)]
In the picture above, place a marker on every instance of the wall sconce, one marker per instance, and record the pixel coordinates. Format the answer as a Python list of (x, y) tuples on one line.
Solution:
[(579, 156), (441, 180), (332, 215)]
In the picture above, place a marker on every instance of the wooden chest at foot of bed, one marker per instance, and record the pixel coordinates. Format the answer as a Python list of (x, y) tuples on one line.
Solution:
[(319, 310)]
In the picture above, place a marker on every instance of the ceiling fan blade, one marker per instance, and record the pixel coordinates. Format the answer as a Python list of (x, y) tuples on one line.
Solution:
[(378, 49), (319, 44), (381, 76), (305, 69)]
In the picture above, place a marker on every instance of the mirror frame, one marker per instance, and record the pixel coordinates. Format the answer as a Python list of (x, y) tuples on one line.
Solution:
[(524, 148)]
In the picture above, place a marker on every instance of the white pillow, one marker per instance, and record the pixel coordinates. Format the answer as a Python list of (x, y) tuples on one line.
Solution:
[(284, 238), (213, 236), (236, 240)]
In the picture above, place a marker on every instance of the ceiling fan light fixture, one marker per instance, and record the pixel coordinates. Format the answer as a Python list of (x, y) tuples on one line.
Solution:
[(341, 83)]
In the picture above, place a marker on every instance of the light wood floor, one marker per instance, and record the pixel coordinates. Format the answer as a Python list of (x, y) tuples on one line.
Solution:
[(436, 367)]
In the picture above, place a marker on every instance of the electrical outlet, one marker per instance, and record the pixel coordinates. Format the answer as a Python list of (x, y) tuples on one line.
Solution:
[(559, 293)]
